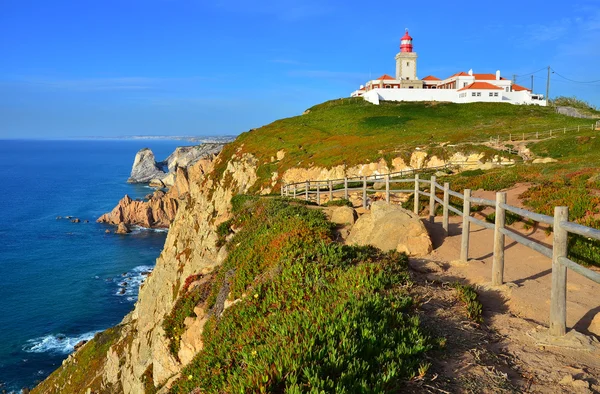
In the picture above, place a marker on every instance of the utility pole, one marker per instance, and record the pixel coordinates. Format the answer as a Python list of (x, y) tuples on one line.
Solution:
[(548, 88), (532, 84), (514, 79)]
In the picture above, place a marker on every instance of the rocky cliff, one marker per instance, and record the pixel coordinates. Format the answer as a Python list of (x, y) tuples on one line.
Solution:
[(146, 169), (158, 209)]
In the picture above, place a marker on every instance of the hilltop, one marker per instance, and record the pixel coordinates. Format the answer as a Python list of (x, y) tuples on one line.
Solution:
[(352, 131), (256, 292)]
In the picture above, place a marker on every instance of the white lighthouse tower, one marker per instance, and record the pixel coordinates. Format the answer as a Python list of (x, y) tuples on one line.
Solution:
[(406, 64)]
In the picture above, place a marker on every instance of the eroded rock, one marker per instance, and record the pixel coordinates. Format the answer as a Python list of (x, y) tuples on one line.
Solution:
[(390, 227)]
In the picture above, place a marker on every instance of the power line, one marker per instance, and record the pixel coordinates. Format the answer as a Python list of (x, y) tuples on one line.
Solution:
[(528, 74), (571, 80)]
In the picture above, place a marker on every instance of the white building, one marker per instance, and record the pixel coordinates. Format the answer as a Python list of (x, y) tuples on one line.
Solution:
[(462, 87)]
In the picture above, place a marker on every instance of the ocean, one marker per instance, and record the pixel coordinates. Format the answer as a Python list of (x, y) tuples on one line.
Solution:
[(61, 282)]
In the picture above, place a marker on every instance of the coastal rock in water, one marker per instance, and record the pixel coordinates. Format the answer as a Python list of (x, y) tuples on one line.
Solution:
[(145, 167), (185, 156), (157, 212), (122, 229), (390, 227), (76, 220)]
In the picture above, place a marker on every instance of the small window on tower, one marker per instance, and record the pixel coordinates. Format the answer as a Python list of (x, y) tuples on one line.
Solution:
[(407, 64)]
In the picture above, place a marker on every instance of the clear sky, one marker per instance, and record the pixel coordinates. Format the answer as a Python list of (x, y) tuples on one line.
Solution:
[(201, 67)]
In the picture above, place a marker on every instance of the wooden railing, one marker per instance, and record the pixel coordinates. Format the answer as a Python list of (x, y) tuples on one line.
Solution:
[(311, 190)]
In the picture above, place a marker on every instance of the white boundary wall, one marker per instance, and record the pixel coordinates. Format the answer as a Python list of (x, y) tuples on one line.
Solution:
[(376, 95)]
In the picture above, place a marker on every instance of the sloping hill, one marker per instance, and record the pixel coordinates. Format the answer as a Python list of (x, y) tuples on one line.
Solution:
[(352, 131)]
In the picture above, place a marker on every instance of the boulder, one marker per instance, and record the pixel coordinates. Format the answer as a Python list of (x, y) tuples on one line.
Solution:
[(594, 327), (145, 168), (341, 215), (391, 227), (76, 220), (122, 229)]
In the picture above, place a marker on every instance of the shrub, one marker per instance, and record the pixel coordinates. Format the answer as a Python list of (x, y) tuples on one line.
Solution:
[(468, 296), (173, 324), (314, 314), (339, 203), (509, 218)]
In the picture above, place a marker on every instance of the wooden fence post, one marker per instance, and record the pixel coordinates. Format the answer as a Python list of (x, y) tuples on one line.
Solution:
[(466, 226), (498, 261), (578, 129), (565, 131), (364, 192), (446, 203), (387, 188), (295, 190), (432, 200), (523, 136), (510, 137), (306, 190), (330, 190), (416, 196), (318, 192), (346, 188), (550, 133), (558, 297)]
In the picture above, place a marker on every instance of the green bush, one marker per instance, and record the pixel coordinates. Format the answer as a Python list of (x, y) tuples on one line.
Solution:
[(173, 324), (339, 203), (509, 218), (314, 316), (468, 296)]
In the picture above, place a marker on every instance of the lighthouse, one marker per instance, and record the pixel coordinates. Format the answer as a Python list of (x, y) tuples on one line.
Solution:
[(406, 64)]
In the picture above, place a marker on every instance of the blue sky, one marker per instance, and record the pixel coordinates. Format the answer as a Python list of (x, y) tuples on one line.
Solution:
[(197, 67)]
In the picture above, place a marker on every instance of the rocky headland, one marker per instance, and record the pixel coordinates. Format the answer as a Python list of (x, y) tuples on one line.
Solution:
[(158, 209)]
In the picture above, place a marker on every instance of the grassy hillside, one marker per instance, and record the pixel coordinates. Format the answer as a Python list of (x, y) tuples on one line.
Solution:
[(314, 315), (353, 131)]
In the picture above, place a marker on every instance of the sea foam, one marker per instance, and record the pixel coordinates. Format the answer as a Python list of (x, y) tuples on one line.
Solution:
[(56, 343)]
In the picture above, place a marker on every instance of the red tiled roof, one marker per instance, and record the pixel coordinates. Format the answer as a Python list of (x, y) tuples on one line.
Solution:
[(519, 88), (460, 74), (486, 77), (386, 77), (480, 86), (431, 78)]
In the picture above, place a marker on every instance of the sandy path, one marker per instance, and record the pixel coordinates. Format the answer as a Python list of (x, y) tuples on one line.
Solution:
[(528, 273)]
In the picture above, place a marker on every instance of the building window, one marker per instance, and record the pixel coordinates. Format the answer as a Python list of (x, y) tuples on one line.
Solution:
[(410, 87), (464, 84), (507, 89), (387, 86), (407, 64), (491, 94), (473, 94), (478, 94), (496, 94)]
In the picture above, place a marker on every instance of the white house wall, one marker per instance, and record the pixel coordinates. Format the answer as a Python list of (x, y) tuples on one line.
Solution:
[(376, 95)]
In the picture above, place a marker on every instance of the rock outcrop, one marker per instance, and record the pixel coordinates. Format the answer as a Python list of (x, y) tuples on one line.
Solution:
[(390, 227), (145, 168), (157, 212), (162, 174)]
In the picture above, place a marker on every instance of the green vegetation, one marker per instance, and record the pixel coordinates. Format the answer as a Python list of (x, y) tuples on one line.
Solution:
[(574, 102), (353, 131), (509, 218), (85, 369), (173, 324), (338, 203), (468, 296), (314, 316)]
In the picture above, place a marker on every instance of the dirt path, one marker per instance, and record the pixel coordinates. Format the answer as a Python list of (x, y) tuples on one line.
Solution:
[(520, 309)]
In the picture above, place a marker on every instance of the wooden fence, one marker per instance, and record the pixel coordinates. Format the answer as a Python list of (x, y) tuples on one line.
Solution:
[(340, 188), (541, 134)]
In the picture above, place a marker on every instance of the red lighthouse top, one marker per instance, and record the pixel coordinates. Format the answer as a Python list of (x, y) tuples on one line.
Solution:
[(406, 43)]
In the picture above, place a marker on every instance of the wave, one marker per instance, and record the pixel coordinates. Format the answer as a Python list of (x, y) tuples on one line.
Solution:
[(129, 282), (138, 229), (56, 343)]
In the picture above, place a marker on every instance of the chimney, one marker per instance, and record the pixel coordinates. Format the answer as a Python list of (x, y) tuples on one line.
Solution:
[(498, 75), (471, 72)]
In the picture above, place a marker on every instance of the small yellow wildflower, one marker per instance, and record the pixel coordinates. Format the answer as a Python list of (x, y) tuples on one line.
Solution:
[(254, 353), (190, 377), (255, 295)]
